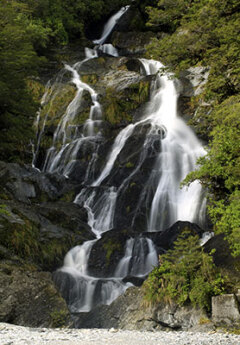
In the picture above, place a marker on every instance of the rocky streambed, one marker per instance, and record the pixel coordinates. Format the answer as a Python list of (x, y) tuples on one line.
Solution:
[(10, 334)]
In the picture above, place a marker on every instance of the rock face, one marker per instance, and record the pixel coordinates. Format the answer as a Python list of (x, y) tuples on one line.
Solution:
[(39, 222), (38, 225), (132, 43), (130, 312), (29, 297), (193, 80)]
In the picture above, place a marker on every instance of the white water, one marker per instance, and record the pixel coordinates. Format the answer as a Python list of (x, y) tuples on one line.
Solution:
[(116, 149), (71, 142), (168, 203), (63, 160), (108, 49), (139, 259), (109, 26), (179, 151)]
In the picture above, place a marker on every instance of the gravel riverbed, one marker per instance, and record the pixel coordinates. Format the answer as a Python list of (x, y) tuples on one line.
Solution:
[(11, 335)]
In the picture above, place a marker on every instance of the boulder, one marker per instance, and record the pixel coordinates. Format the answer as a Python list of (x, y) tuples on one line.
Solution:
[(225, 310), (166, 238), (193, 80), (29, 298)]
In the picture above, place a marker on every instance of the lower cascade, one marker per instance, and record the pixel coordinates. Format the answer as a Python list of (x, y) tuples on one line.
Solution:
[(166, 142)]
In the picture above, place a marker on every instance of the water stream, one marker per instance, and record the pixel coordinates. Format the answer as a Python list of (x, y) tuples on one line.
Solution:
[(167, 202)]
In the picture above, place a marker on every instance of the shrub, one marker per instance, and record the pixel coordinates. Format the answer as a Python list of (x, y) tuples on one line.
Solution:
[(185, 274)]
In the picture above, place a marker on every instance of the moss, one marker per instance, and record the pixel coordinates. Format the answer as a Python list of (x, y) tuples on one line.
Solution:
[(129, 165), (57, 106), (69, 196), (4, 196), (110, 247), (90, 79), (204, 321), (23, 237), (101, 60), (4, 210), (59, 318), (118, 106), (230, 329)]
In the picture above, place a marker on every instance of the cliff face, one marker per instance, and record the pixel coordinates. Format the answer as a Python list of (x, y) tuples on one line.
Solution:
[(98, 162)]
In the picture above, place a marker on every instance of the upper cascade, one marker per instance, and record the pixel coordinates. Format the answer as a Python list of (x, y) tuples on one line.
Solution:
[(109, 26), (166, 151)]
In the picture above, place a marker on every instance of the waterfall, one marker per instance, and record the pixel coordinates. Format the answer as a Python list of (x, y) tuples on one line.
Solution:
[(175, 150), (108, 28)]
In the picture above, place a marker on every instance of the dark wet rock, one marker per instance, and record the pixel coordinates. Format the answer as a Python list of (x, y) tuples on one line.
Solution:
[(39, 223), (131, 43), (29, 185), (107, 252), (136, 281), (222, 257), (166, 238), (42, 234)]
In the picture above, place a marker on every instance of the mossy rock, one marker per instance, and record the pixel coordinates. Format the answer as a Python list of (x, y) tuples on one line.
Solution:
[(42, 235), (56, 107), (90, 79), (118, 107)]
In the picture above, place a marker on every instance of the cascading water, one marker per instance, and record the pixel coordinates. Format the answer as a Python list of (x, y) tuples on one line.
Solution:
[(161, 197)]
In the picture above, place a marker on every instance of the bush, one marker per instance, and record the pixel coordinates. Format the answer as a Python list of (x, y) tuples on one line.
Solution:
[(186, 274)]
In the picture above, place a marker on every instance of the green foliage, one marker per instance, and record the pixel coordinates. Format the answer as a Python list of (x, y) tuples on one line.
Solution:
[(201, 32), (186, 274), (110, 247), (4, 210), (168, 13), (219, 171)]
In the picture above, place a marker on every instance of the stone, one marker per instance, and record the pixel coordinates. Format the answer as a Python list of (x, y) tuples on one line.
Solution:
[(193, 80), (28, 297), (129, 311), (225, 309), (132, 43)]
